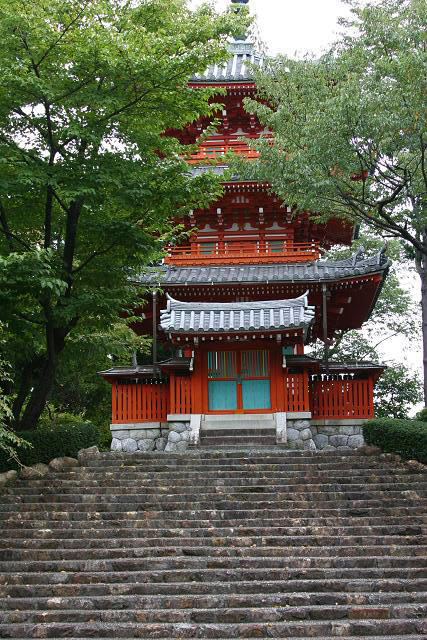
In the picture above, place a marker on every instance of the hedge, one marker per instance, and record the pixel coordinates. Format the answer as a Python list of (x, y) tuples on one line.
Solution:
[(408, 438), (53, 441)]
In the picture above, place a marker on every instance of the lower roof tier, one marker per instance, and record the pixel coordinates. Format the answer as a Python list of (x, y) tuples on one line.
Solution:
[(199, 318)]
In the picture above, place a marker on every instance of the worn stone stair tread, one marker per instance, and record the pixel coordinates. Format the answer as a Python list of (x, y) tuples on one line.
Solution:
[(388, 628), (220, 615), (37, 603), (252, 551)]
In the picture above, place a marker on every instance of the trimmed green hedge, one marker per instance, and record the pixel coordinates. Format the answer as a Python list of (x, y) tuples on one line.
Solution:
[(53, 441), (408, 438)]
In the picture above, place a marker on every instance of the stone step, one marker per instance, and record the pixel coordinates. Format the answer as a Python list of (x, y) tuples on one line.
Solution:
[(184, 492), (64, 589), (220, 498), (191, 563), (212, 575), (136, 549), (210, 601), (132, 527), (231, 440), (220, 615), (298, 629)]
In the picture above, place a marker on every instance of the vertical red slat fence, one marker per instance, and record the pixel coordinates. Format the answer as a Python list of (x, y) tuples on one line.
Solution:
[(141, 402), (296, 393), (342, 399), (180, 395)]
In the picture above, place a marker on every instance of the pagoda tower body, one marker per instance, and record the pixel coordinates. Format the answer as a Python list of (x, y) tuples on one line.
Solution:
[(240, 304)]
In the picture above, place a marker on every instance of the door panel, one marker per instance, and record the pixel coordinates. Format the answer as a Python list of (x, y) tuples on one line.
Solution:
[(239, 381), (222, 395), (256, 394)]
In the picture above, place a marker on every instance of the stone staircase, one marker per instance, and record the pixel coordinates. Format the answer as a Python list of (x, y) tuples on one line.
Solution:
[(239, 544), (238, 430)]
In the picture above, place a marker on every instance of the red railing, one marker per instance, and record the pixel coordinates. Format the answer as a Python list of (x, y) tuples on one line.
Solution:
[(215, 151), (243, 253), (180, 395), (342, 399), (296, 393), (140, 403)]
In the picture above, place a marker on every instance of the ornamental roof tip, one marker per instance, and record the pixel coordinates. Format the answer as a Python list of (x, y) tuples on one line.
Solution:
[(229, 317)]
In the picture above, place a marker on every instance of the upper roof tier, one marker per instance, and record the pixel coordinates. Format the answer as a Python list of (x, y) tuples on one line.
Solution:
[(237, 69), (319, 271)]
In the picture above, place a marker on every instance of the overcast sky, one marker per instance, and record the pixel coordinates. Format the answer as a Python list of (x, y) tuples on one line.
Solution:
[(287, 26)]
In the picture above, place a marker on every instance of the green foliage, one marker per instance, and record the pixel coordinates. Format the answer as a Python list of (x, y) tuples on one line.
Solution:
[(408, 438), (9, 441), (89, 183), (65, 436), (422, 415), (397, 391)]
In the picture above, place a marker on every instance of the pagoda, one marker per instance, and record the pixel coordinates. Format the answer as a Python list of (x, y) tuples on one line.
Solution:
[(239, 305)]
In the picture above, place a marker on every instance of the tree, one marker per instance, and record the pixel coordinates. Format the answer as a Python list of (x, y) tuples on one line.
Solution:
[(398, 389), (89, 183), (9, 441), (350, 134)]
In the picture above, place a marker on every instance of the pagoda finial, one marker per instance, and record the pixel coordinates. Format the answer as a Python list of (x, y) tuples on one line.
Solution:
[(236, 4)]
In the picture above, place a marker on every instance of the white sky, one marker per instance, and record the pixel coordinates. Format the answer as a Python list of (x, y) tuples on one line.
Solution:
[(287, 26), (290, 27)]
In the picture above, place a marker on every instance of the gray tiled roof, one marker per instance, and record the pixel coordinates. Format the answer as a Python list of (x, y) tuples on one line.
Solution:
[(238, 67), (320, 271), (213, 317)]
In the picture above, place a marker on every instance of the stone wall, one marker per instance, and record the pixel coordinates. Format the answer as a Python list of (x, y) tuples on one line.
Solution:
[(141, 437), (315, 436), (179, 436)]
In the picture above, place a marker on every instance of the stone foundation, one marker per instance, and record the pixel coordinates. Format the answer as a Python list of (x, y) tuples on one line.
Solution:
[(324, 435), (129, 438), (296, 431)]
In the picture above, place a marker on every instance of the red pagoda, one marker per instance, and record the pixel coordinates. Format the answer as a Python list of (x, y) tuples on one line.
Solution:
[(240, 304)]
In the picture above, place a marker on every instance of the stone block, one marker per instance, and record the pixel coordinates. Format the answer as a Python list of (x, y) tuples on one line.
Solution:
[(327, 430), (146, 445), (116, 444), (60, 464), (11, 475), (186, 435), (321, 441), (8, 477), (338, 441), (160, 444), (34, 472), (329, 447), (170, 447), (306, 434), (87, 454), (181, 446), (346, 431), (147, 434), (309, 445), (179, 427), (121, 435), (293, 435), (301, 424), (355, 441), (129, 445), (174, 437)]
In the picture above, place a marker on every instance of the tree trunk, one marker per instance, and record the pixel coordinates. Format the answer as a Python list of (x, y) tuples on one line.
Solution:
[(39, 396)]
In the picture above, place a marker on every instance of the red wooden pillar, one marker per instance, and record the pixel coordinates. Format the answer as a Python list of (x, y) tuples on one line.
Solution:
[(172, 403), (278, 381), (197, 383)]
